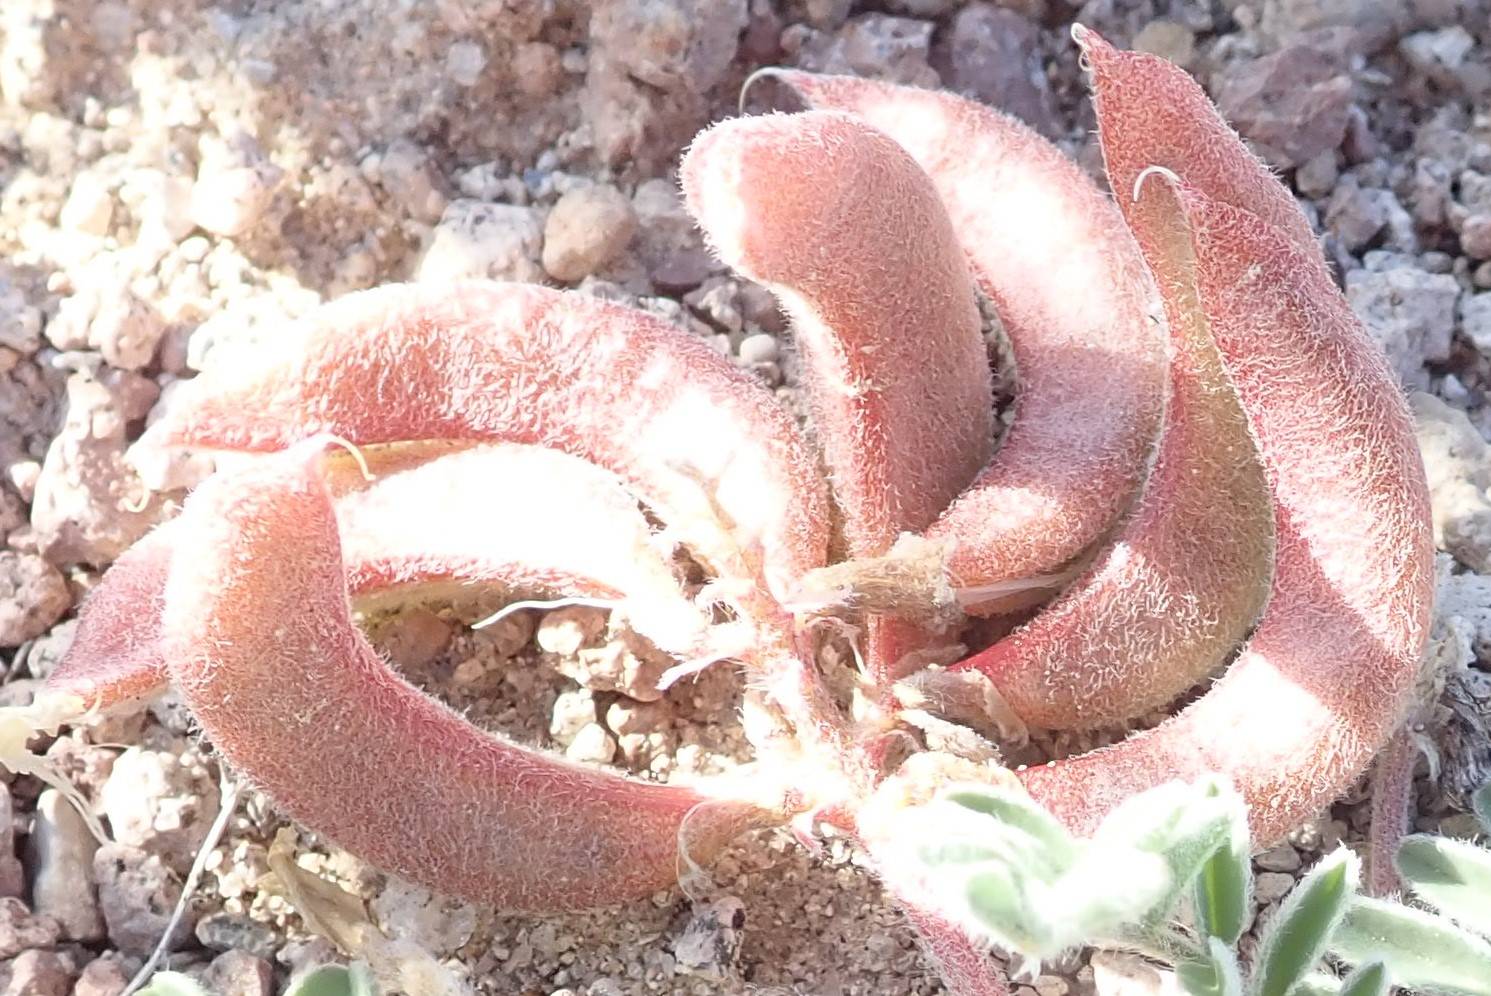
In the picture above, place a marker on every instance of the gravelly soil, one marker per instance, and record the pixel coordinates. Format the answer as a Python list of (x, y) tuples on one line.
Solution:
[(178, 179)]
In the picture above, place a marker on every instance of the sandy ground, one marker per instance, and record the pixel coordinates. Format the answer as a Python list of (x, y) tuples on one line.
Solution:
[(177, 179)]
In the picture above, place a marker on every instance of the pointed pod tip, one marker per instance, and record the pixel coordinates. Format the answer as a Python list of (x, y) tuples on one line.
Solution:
[(764, 73), (1165, 173), (1094, 47)]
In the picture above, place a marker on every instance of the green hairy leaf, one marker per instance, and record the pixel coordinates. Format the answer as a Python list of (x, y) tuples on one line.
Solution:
[(1423, 952), (335, 980), (1451, 875), (1480, 803), (1034, 889), (1010, 912), (1218, 975), (1016, 811), (173, 984), (1368, 980), (1318, 984), (1223, 891), (1299, 934), (1187, 825)]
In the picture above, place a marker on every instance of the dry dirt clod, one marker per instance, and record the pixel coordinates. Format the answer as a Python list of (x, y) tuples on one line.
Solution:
[(162, 801), (586, 229), (137, 893), (33, 595)]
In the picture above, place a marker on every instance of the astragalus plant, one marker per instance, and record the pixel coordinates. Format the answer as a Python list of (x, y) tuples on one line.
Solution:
[(1208, 461), (1167, 874)]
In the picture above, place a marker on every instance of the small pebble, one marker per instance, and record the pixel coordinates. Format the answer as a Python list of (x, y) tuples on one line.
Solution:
[(107, 975), (230, 201), (564, 631), (89, 207), (60, 853), (1270, 887), (573, 711), (759, 348), (238, 973), (464, 62), (593, 744), (137, 894), (1279, 859), (587, 228), (33, 595)]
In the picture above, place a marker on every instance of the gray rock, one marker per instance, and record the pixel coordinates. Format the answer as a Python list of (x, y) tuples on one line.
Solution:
[(1282, 858), (47, 650), (1429, 192), (407, 175), (1475, 236), (1448, 56), (1409, 312), (670, 44), (1475, 321), (1473, 192), (21, 930), (717, 300), (922, 8), (1118, 973), (464, 62), (33, 595), (759, 348), (238, 973), (1457, 463), (1270, 887), (993, 55), (707, 944), (1293, 104), (137, 893), (20, 321), (1317, 178), (473, 239), (667, 241), (234, 931), (39, 973), (60, 853), (12, 875), (880, 46), (586, 229), (1358, 215), (435, 923), (1374, 24), (104, 976), (81, 511), (1168, 39)]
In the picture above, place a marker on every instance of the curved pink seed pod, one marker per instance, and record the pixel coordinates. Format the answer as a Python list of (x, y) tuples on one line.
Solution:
[(882, 308), (1324, 680), (1053, 254), (1153, 114), (1184, 578), (115, 655), (847, 230), (258, 637), (519, 518), (700, 440)]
